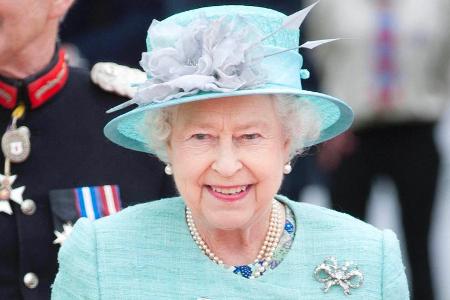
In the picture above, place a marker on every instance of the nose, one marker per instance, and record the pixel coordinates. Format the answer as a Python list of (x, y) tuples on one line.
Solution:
[(227, 162)]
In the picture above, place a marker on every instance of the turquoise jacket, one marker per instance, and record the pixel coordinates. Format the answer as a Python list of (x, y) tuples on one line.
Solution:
[(147, 252)]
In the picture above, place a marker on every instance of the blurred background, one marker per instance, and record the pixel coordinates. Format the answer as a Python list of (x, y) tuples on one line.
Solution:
[(393, 168)]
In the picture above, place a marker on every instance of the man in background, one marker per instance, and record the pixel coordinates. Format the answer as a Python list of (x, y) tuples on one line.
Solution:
[(55, 164), (394, 72)]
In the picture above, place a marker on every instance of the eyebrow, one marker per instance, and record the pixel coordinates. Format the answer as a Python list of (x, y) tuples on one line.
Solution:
[(210, 125)]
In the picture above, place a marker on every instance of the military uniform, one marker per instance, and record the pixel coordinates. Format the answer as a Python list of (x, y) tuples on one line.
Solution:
[(65, 115)]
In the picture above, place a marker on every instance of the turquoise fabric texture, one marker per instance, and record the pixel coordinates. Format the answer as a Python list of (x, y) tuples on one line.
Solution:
[(147, 252), (283, 76)]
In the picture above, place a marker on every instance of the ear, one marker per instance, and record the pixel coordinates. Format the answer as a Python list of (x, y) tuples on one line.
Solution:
[(59, 8), (173, 114), (169, 150), (286, 149)]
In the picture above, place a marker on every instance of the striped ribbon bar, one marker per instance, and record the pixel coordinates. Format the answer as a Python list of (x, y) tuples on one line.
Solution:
[(97, 201)]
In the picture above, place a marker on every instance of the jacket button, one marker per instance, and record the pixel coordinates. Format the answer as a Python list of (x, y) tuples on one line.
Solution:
[(28, 207), (31, 280)]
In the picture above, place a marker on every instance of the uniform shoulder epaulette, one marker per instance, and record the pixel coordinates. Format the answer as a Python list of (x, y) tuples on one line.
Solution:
[(116, 78)]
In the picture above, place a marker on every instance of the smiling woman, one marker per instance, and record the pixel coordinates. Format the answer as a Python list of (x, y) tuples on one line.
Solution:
[(228, 157), (228, 180), (223, 107)]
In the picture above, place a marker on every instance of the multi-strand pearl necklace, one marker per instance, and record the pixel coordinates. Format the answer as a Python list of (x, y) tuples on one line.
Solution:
[(268, 247)]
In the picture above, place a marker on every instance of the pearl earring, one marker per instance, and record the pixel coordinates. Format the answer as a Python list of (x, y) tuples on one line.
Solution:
[(287, 168), (168, 169)]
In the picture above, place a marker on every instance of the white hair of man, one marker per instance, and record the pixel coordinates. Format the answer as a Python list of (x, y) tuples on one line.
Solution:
[(299, 120)]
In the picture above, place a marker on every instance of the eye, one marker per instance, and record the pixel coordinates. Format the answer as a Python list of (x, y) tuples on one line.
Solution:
[(250, 136), (201, 136)]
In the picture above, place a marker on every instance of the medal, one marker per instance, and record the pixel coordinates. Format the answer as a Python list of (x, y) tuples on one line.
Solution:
[(15, 148), (62, 236), (8, 193), (16, 144)]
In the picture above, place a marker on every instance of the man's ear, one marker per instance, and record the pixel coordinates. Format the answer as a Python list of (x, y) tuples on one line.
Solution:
[(59, 8)]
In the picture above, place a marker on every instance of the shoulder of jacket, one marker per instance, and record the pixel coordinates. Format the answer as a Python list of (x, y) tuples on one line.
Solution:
[(322, 217), (118, 79)]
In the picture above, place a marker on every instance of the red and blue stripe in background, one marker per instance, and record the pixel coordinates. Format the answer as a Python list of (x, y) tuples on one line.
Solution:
[(386, 71)]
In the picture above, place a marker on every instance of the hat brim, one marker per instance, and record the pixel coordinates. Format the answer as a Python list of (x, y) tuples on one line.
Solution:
[(336, 116)]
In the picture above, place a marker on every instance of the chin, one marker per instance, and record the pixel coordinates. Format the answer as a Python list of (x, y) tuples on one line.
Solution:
[(226, 220)]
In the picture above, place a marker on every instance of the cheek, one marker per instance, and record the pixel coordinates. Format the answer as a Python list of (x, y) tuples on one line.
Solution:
[(267, 169), (268, 174), (186, 170), (266, 160), (189, 170), (187, 161), (19, 29)]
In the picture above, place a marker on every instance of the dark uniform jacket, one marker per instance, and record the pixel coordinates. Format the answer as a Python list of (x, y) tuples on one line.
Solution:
[(68, 150)]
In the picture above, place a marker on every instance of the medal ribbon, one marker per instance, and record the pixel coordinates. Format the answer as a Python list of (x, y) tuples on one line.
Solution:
[(97, 201)]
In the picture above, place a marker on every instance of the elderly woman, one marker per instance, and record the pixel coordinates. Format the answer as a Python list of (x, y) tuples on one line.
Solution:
[(223, 107)]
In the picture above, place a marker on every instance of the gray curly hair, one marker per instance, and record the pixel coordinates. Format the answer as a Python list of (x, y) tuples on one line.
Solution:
[(300, 122)]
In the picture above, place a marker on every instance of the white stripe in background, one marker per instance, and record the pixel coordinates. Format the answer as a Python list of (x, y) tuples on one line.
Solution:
[(87, 199), (109, 199)]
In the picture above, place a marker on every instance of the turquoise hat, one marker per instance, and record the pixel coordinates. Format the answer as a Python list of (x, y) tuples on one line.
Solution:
[(219, 52)]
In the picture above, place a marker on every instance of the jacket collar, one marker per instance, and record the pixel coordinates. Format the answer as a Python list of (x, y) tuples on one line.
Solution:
[(37, 89)]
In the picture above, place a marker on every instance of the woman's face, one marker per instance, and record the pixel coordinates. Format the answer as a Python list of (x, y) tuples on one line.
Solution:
[(227, 158)]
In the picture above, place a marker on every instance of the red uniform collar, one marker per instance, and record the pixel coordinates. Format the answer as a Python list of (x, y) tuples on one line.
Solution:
[(36, 89)]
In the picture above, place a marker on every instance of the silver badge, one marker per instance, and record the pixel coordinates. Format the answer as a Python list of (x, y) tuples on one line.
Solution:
[(8, 193), (346, 276), (16, 144), (61, 237)]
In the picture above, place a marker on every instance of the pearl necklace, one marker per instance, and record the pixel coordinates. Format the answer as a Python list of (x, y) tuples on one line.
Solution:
[(268, 247)]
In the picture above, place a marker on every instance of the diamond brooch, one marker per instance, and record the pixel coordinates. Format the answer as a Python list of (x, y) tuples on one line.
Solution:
[(347, 276)]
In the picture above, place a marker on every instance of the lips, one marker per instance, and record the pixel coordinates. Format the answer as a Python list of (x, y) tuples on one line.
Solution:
[(229, 193)]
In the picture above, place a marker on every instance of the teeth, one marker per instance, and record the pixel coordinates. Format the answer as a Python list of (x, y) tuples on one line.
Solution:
[(229, 191)]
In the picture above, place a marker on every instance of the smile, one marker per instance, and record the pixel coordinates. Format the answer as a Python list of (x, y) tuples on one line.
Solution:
[(230, 193)]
